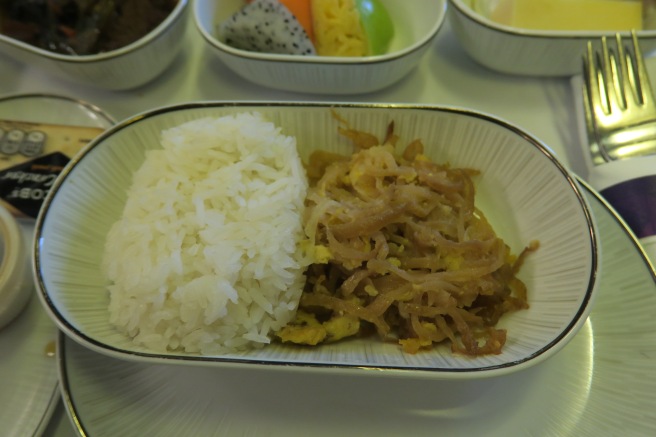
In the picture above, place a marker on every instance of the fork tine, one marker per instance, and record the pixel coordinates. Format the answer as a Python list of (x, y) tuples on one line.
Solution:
[(611, 76), (596, 86), (624, 77), (592, 100), (590, 80), (645, 94)]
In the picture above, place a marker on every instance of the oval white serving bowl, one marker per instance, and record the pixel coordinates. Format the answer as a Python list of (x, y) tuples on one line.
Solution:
[(523, 190), (522, 51), (415, 29), (128, 67)]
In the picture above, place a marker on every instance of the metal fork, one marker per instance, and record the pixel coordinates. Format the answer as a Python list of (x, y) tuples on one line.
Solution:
[(620, 108)]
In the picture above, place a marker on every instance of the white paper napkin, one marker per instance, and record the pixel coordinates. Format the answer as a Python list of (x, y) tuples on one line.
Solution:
[(628, 185)]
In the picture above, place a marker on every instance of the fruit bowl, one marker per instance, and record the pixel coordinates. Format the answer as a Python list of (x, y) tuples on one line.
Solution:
[(414, 29)]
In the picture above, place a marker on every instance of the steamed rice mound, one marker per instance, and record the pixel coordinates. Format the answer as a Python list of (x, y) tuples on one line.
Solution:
[(207, 256)]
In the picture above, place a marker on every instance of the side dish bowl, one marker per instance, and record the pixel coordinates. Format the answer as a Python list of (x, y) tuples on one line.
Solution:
[(124, 68), (524, 191), (523, 51), (414, 29)]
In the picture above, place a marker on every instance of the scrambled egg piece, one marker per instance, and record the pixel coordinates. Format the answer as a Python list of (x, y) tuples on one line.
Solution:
[(322, 254), (306, 329)]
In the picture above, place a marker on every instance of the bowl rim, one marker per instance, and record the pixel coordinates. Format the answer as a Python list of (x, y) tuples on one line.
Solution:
[(13, 256), (559, 35), (322, 60), (100, 113), (544, 352), (176, 14)]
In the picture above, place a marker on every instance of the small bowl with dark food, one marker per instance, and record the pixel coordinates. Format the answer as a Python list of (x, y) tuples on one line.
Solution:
[(107, 44), (320, 46), (545, 37), (424, 241)]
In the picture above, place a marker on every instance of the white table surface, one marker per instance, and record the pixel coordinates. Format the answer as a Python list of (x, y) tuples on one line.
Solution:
[(543, 107)]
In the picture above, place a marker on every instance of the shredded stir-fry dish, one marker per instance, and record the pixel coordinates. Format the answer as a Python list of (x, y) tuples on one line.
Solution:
[(402, 251)]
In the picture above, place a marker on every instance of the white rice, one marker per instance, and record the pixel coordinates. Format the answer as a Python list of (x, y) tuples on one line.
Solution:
[(207, 255)]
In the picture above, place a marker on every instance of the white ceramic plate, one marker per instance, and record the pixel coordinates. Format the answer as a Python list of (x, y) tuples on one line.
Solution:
[(524, 191), (28, 373), (602, 383)]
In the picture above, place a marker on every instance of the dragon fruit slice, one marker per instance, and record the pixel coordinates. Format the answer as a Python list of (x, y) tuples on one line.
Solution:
[(266, 26)]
